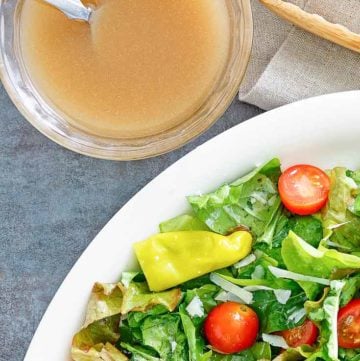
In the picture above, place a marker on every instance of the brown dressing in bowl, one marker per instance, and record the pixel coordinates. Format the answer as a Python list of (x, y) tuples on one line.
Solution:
[(139, 68)]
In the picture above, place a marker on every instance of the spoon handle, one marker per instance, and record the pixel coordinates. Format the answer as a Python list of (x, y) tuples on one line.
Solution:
[(73, 9)]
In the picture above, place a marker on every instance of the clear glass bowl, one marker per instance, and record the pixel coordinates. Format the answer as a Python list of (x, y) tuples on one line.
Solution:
[(52, 124)]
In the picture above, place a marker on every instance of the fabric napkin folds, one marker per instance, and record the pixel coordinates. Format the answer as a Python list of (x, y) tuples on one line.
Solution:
[(289, 64)]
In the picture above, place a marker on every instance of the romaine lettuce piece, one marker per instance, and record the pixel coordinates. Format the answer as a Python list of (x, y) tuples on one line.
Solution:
[(140, 353), (296, 354), (196, 343), (138, 298), (192, 322), (301, 257), (105, 300), (350, 290), (309, 228), (206, 295), (164, 335), (101, 329), (349, 354), (275, 316), (99, 352), (340, 214), (251, 202), (326, 318), (89, 342), (261, 351)]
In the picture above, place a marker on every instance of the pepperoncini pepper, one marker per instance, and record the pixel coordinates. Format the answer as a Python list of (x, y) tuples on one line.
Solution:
[(169, 259)]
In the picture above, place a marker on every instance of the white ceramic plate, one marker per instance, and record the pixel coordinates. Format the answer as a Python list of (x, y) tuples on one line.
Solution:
[(324, 131)]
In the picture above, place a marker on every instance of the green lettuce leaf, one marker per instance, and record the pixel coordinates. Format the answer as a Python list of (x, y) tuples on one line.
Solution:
[(275, 316), (90, 341), (138, 298), (350, 290), (340, 210), (206, 295), (326, 318), (164, 335), (251, 202), (261, 351), (192, 325), (301, 257), (296, 354), (140, 353), (94, 342), (130, 328), (105, 301), (99, 352), (184, 222), (192, 331), (309, 228), (349, 354)]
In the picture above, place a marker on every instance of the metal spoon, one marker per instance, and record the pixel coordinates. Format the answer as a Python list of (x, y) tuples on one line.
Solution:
[(73, 9)]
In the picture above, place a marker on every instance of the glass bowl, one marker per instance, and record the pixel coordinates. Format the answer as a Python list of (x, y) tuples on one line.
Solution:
[(52, 123)]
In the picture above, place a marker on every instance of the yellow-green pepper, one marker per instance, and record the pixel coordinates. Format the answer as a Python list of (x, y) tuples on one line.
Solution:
[(169, 259)]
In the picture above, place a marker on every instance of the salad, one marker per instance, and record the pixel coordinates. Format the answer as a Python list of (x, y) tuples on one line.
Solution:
[(264, 268)]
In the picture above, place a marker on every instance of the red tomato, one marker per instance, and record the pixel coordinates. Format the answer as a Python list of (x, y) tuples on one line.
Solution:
[(231, 327), (349, 325), (306, 334), (304, 189)]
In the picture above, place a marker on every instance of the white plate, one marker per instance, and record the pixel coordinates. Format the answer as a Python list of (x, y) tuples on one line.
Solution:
[(324, 131)]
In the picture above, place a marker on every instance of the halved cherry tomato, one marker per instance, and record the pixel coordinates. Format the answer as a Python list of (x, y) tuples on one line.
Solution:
[(349, 325), (231, 327), (304, 189), (306, 334)]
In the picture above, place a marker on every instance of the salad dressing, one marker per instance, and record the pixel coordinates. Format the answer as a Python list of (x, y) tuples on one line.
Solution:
[(139, 68)]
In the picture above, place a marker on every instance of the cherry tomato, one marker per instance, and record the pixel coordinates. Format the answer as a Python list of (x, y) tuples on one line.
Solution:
[(231, 327), (349, 325), (306, 334), (304, 189)]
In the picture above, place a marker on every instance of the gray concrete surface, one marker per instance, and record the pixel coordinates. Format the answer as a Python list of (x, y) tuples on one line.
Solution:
[(52, 204)]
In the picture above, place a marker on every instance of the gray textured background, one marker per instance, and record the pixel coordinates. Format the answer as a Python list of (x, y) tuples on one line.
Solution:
[(52, 204)]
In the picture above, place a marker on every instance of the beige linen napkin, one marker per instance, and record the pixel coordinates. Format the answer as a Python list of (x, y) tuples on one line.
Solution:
[(289, 64)]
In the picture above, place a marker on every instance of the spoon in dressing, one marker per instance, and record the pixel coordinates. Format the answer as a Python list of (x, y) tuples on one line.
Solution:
[(73, 9)]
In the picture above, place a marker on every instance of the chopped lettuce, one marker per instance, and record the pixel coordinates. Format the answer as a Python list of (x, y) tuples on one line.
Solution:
[(296, 354), (91, 341), (105, 301), (140, 353), (138, 298), (351, 289), (192, 331), (251, 202), (325, 316), (340, 214), (99, 352), (275, 316), (258, 273), (101, 328), (309, 228), (163, 334), (184, 222), (192, 325), (261, 351), (349, 354), (206, 295), (301, 257)]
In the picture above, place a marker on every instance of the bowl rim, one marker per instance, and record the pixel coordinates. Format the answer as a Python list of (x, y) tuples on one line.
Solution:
[(153, 148)]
